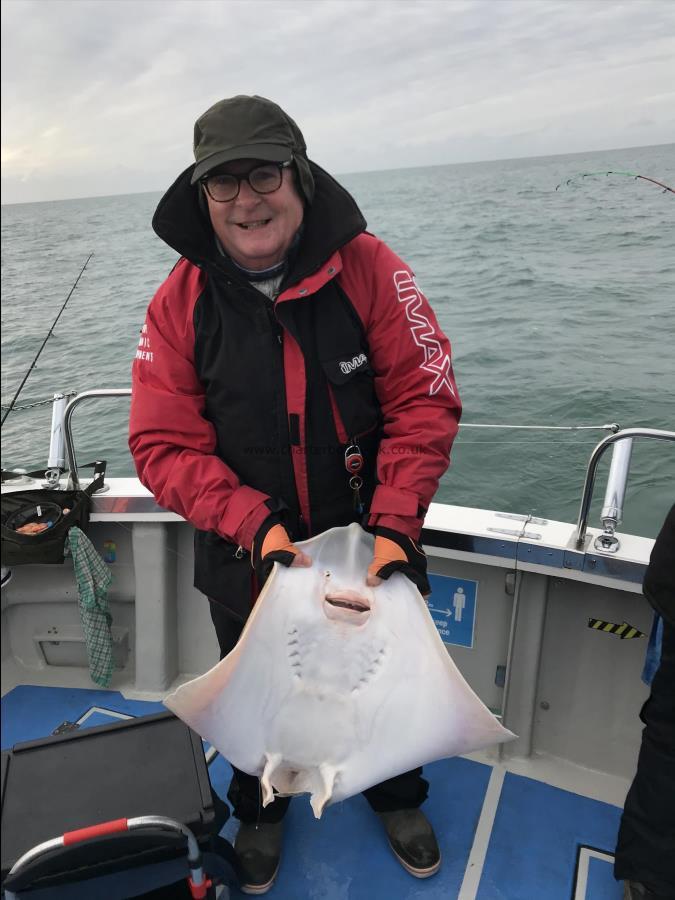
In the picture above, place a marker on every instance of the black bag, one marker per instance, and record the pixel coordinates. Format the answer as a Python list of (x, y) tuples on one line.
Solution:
[(42, 506)]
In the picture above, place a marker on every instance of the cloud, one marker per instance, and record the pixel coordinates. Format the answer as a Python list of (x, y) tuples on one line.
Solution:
[(92, 90)]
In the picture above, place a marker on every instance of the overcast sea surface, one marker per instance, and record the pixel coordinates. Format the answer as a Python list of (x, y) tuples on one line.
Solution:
[(560, 306)]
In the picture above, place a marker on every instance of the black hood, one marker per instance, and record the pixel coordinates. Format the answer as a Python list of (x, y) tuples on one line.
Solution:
[(330, 222)]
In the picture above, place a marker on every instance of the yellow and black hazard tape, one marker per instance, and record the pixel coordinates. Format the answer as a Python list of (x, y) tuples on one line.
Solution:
[(624, 630)]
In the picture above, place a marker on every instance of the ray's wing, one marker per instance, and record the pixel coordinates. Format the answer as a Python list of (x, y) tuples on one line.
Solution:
[(418, 708), (231, 704)]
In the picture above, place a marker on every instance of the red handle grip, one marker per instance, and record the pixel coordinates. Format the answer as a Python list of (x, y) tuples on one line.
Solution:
[(199, 891), (83, 834)]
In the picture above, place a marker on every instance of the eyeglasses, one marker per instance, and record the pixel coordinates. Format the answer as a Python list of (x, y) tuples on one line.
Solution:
[(263, 179)]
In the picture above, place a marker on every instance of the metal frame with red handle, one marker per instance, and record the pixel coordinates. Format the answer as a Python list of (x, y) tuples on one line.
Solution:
[(197, 881)]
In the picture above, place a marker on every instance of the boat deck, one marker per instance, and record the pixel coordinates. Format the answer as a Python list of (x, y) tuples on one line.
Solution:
[(503, 835)]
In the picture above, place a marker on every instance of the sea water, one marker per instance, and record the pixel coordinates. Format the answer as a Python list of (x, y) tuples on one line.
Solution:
[(560, 305)]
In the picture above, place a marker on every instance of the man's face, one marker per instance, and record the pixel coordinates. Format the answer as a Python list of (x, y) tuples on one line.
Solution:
[(256, 230)]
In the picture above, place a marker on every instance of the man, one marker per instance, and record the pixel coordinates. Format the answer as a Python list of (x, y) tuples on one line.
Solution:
[(644, 857), (290, 378)]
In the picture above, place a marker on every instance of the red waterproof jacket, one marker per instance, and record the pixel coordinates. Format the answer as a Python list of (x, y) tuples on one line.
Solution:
[(241, 406)]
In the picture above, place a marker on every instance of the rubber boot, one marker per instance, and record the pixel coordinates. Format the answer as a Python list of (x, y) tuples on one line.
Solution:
[(413, 841)]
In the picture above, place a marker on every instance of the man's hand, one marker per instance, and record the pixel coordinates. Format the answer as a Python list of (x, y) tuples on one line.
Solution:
[(272, 544), (396, 552)]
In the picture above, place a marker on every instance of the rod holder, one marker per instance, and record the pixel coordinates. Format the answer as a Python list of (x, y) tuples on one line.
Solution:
[(56, 460), (615, 495), (57, 444)]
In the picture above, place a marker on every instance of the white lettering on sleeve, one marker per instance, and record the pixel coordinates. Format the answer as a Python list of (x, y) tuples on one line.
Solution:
[(144, 353), (435, 362)]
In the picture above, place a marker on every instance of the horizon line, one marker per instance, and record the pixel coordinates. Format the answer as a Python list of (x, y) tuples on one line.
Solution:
[(362, 172)]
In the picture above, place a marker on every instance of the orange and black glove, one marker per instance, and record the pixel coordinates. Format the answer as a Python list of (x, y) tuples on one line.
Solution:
[(272, 544), (396, 552)]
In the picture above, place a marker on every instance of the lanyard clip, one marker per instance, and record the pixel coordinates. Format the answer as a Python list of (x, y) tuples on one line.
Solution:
[(353, 459), (353, 465)]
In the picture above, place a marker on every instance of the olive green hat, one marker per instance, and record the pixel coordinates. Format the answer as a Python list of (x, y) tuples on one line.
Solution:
[(244, 127)]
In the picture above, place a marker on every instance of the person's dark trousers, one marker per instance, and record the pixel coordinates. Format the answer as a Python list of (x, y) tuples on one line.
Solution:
[(645, 850), (405, 791)]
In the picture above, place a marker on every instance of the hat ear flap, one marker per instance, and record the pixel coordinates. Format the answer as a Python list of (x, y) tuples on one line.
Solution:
[(202, 203), (304, 177)]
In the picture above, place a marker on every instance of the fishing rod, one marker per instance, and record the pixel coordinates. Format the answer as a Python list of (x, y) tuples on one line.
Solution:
[(49, 334), (612, 172)]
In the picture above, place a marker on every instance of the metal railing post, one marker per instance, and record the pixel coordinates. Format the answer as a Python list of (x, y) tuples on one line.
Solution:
[(622, 466), (67, 431)]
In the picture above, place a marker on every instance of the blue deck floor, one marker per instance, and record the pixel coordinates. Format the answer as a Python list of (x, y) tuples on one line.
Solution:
[(542, 837)]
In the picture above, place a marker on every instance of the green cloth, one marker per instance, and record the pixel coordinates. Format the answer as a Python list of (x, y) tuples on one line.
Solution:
[(93, 580)]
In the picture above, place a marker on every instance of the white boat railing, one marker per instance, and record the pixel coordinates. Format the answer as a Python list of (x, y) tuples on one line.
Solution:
[(616, 485), (74, 480), (612, 509)]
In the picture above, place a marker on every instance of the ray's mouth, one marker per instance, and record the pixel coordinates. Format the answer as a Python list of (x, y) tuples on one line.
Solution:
[(348, 600)]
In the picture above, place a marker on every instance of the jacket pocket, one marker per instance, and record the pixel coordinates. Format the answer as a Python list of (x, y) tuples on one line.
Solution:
[(222, 574), (352, 390)]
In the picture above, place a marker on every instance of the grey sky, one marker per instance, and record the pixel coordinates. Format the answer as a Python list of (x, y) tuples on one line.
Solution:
[(100, 97)]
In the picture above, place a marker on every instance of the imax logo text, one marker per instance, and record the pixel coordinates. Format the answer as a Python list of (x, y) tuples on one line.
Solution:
[(436, 362), (352, 364)]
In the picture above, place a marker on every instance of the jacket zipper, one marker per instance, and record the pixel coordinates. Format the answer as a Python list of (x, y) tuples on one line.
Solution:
[(277, 330)]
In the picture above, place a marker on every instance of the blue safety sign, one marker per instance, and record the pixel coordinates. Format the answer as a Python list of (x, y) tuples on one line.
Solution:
[(452, 604)]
